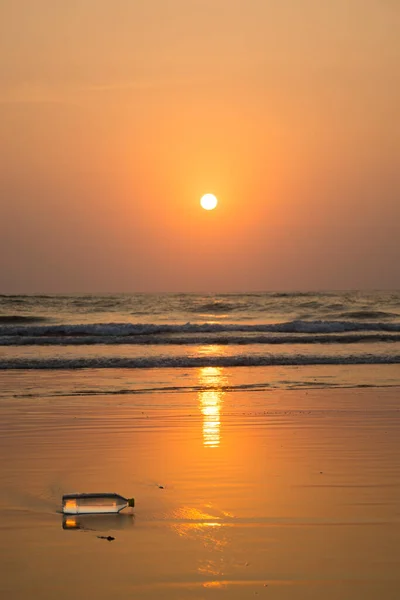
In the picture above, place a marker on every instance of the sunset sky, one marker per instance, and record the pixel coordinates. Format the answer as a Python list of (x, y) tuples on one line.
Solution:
[(117, 116)]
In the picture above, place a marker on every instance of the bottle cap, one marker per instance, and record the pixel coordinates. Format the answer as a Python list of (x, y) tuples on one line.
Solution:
[(131, 501)]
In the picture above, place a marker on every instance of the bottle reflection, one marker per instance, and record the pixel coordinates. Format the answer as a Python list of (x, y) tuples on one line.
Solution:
[(98, 522), (210, 401)]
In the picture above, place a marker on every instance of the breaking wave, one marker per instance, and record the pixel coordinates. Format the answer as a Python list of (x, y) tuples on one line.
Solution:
[(152, 362), (220, 339), (151, 329)]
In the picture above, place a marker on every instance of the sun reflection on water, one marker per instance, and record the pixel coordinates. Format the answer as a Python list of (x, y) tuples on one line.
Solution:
[(211, 382)]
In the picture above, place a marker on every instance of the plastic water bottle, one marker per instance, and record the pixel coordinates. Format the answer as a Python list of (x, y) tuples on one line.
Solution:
[(84, 504)]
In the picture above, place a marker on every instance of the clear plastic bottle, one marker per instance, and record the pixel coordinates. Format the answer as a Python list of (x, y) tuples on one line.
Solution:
[(84, 504)]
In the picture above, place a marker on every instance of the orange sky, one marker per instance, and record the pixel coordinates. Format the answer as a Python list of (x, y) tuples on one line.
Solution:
[(116, 116)]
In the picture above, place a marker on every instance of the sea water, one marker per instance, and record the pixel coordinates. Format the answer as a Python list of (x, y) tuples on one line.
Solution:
[(301, 339)]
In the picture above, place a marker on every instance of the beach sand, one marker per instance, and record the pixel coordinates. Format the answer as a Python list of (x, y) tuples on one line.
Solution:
[(278, 494)]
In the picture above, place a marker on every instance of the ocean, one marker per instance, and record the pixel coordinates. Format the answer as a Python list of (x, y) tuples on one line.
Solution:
[(345, 339), (258, 434)]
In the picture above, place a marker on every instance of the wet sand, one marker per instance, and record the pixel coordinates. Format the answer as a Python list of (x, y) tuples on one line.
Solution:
[(281, 494)]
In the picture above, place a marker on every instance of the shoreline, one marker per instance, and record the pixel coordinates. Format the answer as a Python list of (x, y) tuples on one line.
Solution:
[(280, 492)]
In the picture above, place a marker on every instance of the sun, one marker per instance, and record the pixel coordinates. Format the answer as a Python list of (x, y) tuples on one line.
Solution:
[(208, 201)]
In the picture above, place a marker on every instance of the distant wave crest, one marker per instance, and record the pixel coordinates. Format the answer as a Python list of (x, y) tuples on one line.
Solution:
[(368, 314), (217, 307)]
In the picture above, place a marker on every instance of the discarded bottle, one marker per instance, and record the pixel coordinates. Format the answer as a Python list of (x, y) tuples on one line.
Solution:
[(84, 504)]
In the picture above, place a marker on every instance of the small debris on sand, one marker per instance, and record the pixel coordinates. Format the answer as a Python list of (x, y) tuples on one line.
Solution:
[(110, 538)]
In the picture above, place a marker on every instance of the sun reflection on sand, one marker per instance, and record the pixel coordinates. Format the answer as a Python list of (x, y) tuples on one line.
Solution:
[(208, 530), (210, 402), (206, 526), (214, 584)]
